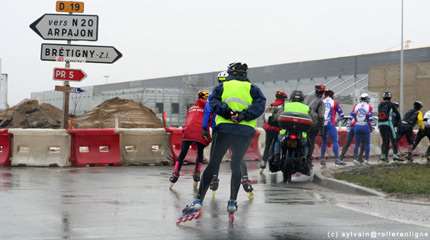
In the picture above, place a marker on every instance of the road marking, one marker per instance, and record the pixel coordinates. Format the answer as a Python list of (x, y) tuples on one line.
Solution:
[(383, 217)]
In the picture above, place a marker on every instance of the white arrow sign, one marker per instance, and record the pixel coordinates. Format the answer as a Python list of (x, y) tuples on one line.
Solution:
[(79, 53), (67, 27)]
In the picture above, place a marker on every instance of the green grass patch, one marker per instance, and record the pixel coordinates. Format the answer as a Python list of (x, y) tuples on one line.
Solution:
[(409, 179)]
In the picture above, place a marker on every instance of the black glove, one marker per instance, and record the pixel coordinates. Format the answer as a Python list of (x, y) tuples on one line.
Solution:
[(238, 117), (205, 133), (226, 113)]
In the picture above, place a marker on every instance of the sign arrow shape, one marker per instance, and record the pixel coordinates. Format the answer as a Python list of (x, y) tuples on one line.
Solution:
[(67, 27), (79, 53), (64, 74)]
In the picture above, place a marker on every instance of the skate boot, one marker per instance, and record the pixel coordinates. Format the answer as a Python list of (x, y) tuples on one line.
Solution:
[(356, 162), (339, 163), (262, 166), (196, 176), (384, 158), (214, 185), (397, 158), (246, 184), (231, 209), (191, 211), (175, 175)]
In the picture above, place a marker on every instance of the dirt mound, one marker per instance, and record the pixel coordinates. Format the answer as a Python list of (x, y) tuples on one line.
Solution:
[(130, 114), (31, 114)]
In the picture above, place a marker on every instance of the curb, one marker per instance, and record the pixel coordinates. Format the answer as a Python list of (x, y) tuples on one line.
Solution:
[(343, 186)]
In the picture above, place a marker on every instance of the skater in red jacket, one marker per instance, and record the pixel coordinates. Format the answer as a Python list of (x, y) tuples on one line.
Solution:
[(192, 134)]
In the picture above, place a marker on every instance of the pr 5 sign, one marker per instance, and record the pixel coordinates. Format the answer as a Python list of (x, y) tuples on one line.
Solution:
[(63, 74)]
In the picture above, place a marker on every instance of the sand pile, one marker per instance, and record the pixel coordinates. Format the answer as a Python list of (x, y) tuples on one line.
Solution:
[(31, 114), (130, 114)]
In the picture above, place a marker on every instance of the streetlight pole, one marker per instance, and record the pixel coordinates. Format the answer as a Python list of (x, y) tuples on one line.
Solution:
[(401, 66)]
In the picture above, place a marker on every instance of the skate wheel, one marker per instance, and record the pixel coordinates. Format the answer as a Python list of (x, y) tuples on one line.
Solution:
[(189, 218), (250, 195)]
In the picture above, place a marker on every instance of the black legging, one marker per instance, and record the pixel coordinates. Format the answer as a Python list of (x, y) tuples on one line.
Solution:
[(313, 133), (270, 138), (387, 138), (220, 144), (184, 150)]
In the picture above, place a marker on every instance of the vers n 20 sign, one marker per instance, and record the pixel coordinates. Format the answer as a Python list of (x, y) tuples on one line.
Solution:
[(67, 27)]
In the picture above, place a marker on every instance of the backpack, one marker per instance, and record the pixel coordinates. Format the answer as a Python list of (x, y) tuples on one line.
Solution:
[(384, 111), (411, 117)]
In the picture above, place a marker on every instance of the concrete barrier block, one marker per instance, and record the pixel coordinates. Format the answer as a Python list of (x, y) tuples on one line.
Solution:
[(143, 146), (40, 147)]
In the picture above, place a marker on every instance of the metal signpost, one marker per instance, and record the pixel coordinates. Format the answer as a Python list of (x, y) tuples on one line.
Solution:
[(71, 27)]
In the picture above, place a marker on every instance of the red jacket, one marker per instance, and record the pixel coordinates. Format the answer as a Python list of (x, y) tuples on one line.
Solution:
[(192, 130), (275, 104)]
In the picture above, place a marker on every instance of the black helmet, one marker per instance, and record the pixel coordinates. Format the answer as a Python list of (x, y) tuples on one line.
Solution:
[(329, 93), (396, 104), (387, 95), (297, 96), (237, 69), (418, 105)]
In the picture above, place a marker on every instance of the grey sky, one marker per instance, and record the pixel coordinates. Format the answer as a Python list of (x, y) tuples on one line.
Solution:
[(170, 37)]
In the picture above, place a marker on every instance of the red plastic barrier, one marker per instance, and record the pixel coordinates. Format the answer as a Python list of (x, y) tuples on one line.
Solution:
[(342, 135), (175, 144), (95, 147), (4, 147)]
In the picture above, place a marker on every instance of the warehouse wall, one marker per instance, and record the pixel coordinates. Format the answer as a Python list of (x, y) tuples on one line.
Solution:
[(416, 82)]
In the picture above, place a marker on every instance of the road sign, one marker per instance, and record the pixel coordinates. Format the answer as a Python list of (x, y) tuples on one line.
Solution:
[(70, 7), (79, 53), (69, 89), (67, 27), (62, 88), (64, 74), (76, 90)]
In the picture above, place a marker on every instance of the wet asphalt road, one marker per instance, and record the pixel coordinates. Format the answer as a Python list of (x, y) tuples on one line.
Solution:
[(135, 203)]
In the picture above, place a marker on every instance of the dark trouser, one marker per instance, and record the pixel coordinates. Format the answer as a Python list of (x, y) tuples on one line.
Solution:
[(349, 139), (388, 137), (270, 139), (422, 133), (243, 167), (362, 142), (184, 150), (221, 143), (312, 135)]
